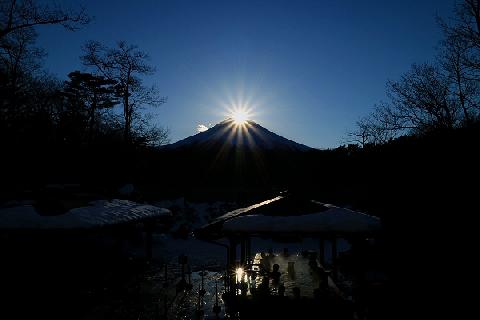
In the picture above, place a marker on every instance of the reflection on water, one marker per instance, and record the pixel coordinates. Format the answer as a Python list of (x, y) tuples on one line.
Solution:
[(297, 280), (186, 306), (297, 277), (294, 269)]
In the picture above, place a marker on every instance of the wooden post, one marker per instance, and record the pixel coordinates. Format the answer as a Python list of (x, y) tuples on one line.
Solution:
[(232, 264), (249, 250), (334, 258), (243, 251), (321, 249)]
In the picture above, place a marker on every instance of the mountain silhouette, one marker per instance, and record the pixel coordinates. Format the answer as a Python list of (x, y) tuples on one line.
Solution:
[(233, 160), (250, 136)]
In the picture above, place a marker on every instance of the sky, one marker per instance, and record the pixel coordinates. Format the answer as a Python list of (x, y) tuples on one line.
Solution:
[(308, 70)]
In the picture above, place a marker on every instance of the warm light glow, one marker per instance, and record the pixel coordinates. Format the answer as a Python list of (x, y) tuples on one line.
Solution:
[(239, 274), (240, 116), (240, 107)]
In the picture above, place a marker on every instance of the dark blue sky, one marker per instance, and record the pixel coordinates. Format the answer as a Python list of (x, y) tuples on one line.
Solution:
[(309, 69)]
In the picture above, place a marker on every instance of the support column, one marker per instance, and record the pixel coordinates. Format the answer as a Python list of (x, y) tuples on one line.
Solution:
[(249, 250), (243, 252), (232, 264), (321, 249), (232, 253), (334, 258)]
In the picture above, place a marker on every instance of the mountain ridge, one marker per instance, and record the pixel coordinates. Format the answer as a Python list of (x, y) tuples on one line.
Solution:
[(249, 135)]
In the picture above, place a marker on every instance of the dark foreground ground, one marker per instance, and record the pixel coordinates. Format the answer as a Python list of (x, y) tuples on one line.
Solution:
[(105, 275)]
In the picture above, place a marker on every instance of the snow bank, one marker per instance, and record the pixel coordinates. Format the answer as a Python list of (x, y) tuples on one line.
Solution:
[(98, 213)]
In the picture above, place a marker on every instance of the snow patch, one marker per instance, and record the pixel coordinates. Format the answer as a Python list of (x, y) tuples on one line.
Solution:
[(98, 213)]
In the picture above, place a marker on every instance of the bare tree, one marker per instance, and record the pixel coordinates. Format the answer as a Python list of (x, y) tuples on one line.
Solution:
[(23, 14), (420, 100), (19, 57), (146, 134), (459, 56), (20, 60), (442, 95), (376, 128), (463, 86), (363, 134), (124, 64), (463, 31)]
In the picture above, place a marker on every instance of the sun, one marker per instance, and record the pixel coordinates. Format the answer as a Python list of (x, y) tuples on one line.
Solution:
[(240, 116), (239, 109)]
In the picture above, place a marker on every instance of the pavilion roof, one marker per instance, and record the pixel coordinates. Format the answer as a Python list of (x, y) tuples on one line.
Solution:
[(289, 216)]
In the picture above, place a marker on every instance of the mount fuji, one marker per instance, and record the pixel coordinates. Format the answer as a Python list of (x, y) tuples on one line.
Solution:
[(249, 136)]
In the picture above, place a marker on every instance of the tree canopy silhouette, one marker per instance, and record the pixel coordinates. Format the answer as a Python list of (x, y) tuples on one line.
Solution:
[(441, 95), (124, 64), (24, 14), (91, 94)]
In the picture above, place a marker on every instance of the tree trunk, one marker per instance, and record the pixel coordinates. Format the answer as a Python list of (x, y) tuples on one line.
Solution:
[(93, 108), (126, 117)]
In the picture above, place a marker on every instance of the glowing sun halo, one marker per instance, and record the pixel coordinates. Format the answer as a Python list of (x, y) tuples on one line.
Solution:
[(240, 116)]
